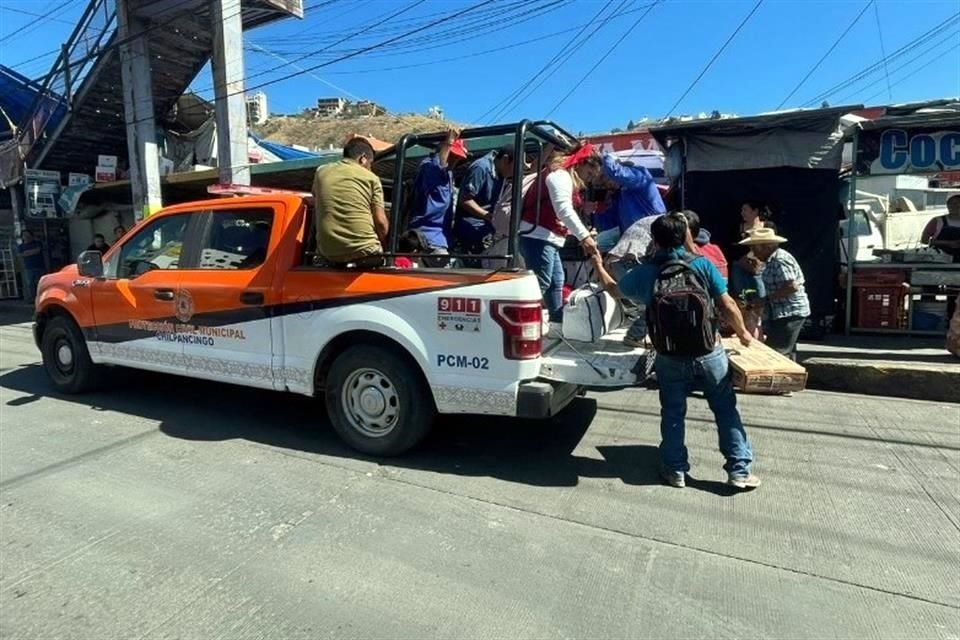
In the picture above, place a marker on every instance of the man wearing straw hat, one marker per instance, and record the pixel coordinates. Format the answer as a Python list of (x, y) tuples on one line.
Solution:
[(787, 304)]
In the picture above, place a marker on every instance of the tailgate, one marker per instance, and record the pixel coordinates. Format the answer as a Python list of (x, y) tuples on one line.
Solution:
[(607, 363)]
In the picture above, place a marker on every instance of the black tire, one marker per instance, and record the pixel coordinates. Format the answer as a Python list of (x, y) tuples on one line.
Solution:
[(66, 358), (392, 409)]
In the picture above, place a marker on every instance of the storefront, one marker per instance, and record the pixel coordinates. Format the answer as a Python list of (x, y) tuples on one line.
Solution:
[(911, 291)]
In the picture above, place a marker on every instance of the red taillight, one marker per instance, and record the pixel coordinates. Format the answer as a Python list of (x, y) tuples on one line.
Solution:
[(522, 328)]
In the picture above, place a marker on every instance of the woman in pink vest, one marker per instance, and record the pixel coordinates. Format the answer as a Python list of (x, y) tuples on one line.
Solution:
[(544, 232)]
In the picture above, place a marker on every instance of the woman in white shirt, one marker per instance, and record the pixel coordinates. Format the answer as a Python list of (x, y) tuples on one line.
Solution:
[(544, 228)]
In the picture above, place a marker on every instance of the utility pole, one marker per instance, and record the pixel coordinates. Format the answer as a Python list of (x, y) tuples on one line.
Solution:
[(138, 112), (228, 86)]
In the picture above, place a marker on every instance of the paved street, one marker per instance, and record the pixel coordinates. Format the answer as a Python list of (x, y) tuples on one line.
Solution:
[(165, 508)]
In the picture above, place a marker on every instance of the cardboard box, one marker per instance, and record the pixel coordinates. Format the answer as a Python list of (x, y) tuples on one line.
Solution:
[(75, 179), (760, 369), (107, 162), (106, 174)]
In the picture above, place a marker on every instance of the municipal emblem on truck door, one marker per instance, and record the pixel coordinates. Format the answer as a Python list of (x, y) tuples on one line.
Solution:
[(184, 306)]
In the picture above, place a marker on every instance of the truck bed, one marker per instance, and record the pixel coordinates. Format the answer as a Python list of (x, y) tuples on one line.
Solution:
[(605, 364)]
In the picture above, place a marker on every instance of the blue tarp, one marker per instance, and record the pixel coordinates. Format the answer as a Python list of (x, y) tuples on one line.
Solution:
[(282, 151), (17, 95)]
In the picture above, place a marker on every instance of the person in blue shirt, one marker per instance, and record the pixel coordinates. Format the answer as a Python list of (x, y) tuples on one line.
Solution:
[(635, 196), (34, 266), (677, 375), (473, 229), (433, 198)]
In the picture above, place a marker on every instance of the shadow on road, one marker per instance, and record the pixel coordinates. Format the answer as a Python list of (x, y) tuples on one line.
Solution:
[(530, 452), (15, 312)]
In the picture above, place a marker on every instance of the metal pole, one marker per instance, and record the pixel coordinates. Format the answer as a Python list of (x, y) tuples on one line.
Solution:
[(396, 204), (228, 87), (68, 88), (138, 113), (516, 197), (851, 258)]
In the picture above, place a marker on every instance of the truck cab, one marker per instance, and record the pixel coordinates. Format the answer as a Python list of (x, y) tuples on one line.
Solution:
[(229, 289)]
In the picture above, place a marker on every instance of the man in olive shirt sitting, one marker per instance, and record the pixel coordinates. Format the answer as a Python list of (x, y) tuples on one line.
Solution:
[(348, 201)]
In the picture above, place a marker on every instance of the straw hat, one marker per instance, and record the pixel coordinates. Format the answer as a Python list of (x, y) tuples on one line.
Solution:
[(763, 235)]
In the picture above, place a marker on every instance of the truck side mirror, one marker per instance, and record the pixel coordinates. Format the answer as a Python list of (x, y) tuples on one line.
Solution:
[(90, 264)]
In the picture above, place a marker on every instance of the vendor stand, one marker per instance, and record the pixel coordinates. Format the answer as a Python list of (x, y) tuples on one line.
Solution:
[(789, 160), (899, 294)]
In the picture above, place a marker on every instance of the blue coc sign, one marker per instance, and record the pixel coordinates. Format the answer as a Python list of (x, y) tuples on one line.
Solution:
[(919, 153)]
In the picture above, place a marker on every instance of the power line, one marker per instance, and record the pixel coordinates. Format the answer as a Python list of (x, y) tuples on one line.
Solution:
[(35, 15), (483, 52), (827, 54), (546, 66), (479, 24), (886, 71), (351, 35), (871, 69), (612, 48), (36, 22), (714, 58), (923, 53), (520, 99), (937, 58), (347, 56)]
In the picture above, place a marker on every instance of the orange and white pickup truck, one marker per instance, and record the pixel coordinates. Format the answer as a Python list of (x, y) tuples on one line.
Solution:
[(226, 289)]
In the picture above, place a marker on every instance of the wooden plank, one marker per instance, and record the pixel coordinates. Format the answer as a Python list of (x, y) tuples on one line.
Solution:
[(760, 369)]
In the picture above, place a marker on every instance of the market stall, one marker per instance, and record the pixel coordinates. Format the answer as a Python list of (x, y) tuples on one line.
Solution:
[(904, 292), (788, 160)]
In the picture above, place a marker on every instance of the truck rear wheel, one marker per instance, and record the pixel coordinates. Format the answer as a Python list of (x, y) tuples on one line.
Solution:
[(377, 402), (66, 358)]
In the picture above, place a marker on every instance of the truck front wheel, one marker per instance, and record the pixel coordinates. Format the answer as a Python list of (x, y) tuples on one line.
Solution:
[(66, 358), (378, 401)]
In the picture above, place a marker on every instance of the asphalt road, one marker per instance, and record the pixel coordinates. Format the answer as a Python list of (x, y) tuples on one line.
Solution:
[(165, 508)]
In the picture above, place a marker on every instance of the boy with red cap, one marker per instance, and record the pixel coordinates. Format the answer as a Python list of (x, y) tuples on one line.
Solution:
[(433, 197)]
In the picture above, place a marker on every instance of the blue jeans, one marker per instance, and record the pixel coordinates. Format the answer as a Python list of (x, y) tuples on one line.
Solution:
[(543, 259), (677, 377)]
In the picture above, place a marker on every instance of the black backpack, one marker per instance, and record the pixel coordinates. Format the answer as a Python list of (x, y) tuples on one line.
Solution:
[(681, 317)]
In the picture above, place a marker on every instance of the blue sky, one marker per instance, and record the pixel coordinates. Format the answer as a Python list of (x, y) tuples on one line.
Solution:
[(479, 60)]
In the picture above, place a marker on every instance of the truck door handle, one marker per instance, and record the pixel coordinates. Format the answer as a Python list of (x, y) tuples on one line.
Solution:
[(165, 295), (251, 297)]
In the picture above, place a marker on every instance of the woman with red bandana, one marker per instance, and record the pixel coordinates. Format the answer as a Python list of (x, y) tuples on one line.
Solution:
[(546, 223)]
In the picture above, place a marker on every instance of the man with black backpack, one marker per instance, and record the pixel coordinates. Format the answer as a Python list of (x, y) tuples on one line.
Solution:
[(681, 293)]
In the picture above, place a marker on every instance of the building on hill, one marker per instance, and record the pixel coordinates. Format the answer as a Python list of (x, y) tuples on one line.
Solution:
[(257, 112), (366, 108), (330, 107), (435, 112)]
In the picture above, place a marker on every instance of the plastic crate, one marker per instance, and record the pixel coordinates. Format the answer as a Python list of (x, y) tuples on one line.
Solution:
[(880, 307)]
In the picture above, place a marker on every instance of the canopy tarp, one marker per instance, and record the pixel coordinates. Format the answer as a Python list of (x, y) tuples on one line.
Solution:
[(805, 139)]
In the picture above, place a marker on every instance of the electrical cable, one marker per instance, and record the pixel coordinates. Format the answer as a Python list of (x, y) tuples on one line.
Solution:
[(714, 58), (609, 51), (475, 54), (495, 108), (871, 69), (356, 53), (886, 71), (35, 15), (351, 35), (912, 73), (827, 54), (856, 92), (569, 55), (37, 22)]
